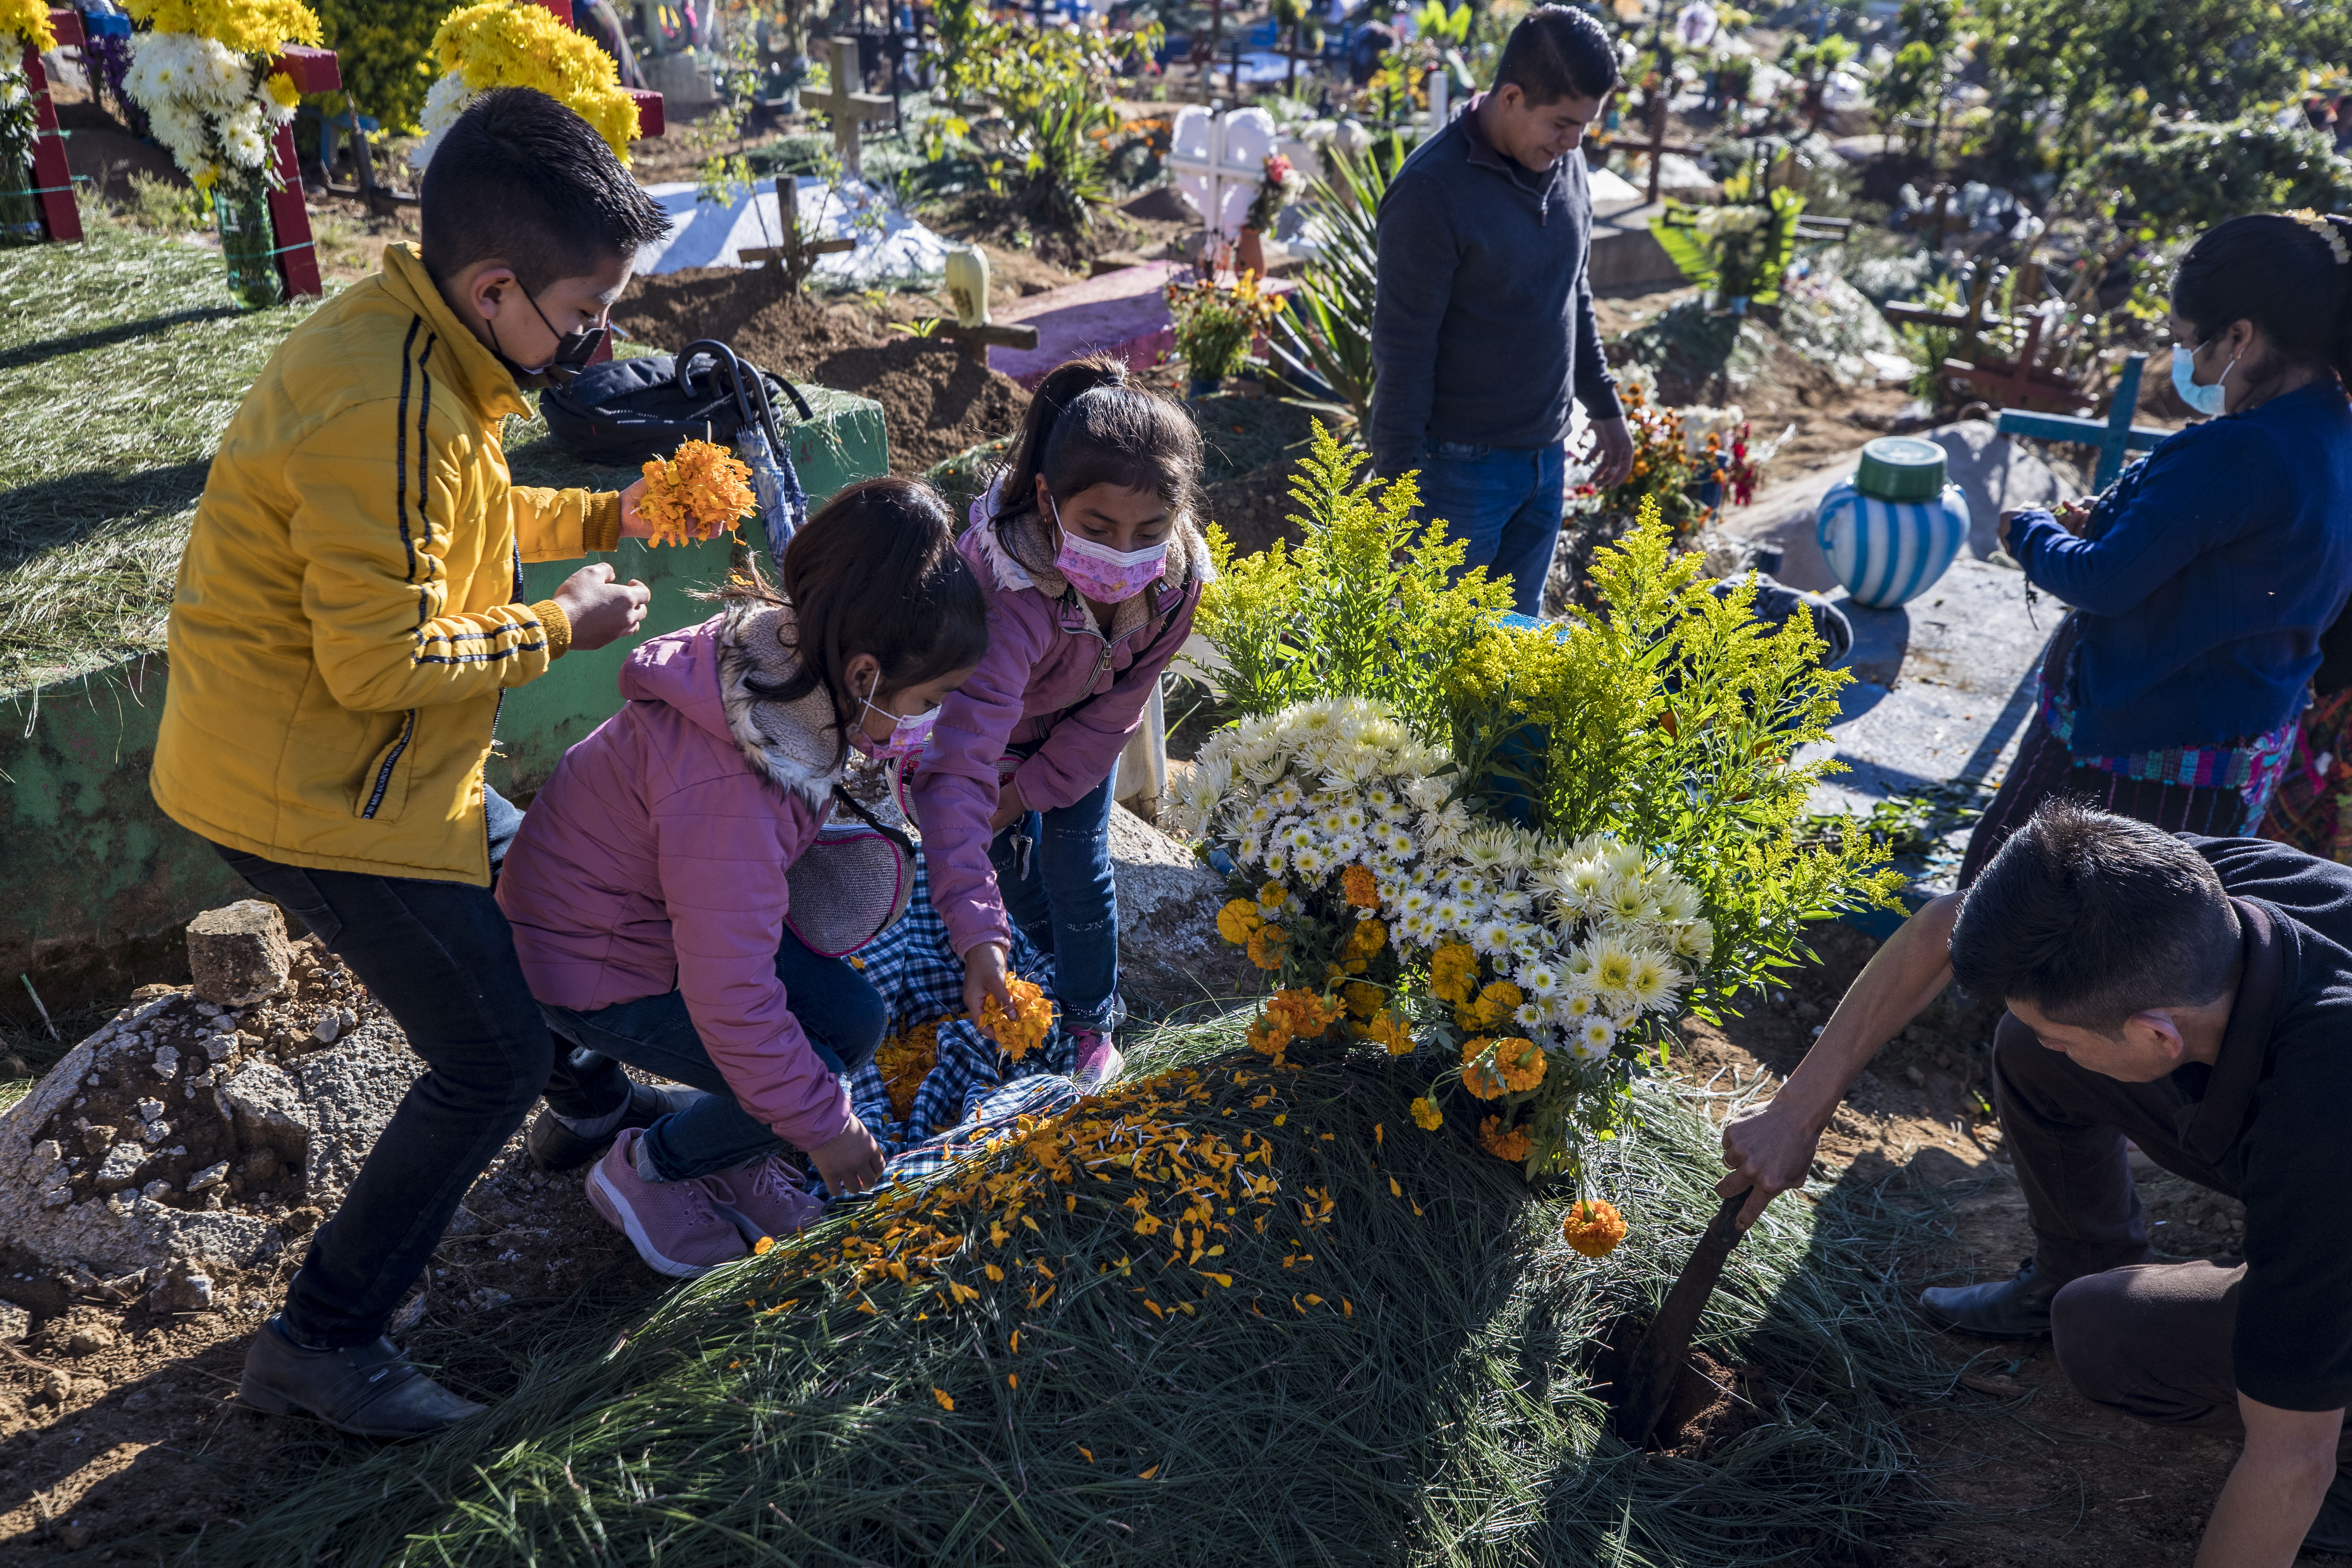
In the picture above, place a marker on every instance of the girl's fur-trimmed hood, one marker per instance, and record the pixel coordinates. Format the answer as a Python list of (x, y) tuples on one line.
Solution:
[(795, 745)]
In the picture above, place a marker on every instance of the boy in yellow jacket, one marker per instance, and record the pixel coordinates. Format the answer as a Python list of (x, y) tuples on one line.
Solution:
[(348, 619)]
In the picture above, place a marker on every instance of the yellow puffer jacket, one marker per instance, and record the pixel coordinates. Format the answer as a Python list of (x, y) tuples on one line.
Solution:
[(346, 621)]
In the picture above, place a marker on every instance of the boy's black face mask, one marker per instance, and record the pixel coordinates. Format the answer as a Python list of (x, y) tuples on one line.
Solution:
[(573, 350)]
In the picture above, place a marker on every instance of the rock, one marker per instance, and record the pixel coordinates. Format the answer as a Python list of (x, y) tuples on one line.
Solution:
[(121, 1165), (182, 1289), (1167, 904), (239, 954), (1994, 472), (268, 1107), (90, 1339), (166, 1065), (351, 1092), (52, 1388), (210, 1175), (1932, 1167), (16, 1324), (329, 1027)]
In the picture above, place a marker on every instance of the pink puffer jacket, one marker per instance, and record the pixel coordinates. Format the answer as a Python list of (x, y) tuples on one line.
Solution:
[(1044, 654), (654, 859)]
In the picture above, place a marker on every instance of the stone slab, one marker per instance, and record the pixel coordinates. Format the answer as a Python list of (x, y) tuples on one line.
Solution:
[(1122, 313), (891, 248), (1627, 255)]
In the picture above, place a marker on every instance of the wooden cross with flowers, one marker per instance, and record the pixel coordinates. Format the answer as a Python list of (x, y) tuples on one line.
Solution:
[(52, 182)]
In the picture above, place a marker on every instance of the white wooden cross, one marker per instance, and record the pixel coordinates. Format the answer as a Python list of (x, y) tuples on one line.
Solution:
[(848, 106), (1220, 162)]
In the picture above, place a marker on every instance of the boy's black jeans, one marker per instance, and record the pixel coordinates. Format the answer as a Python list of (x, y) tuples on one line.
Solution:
[(441, 958)]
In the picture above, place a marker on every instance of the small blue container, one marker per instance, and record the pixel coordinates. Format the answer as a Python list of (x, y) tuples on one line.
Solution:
[(1894, 527)]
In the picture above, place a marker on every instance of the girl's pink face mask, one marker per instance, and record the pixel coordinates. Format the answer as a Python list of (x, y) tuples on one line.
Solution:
[(1101, 573)]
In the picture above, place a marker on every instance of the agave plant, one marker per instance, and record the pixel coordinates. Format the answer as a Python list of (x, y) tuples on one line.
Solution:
[(1321, 347)]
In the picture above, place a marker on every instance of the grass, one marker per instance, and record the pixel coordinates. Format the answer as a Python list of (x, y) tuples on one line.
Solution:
[(121, 362), (1397, 1375)]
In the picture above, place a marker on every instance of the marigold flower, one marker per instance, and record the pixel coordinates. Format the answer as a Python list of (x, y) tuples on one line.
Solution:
[(1026, 1028), (1266, 945), (1363, 944), (700, 493), (1237, 921), (1268, 1037), (1356, 882), (1593, 1227), (1520, 1062), (1364, 999), (1496, 1002), (1426, 1114), (1302, 1012), (1453, 969), (1389, 1030), (1512, 1144), (1481, 1076)]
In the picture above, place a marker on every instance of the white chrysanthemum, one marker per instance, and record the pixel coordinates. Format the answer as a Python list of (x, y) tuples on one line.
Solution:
[(1693, 939), (1654, 981), (1539, 980), (1396, 840), (1277, 863), (1591, 1042), (1613, 969), (1528, 1015), (1676, 900), (1484, 855), (1448, 915), (1286, 795), (1581, 888), (1514, 904), (1416, 901), (1466, 886), (1575, 1006), (1416, 929), (445, 100), (1576, 963), (1311, 862), (1427, 794), (1491, 937), (1625, 901), (1629, 861)]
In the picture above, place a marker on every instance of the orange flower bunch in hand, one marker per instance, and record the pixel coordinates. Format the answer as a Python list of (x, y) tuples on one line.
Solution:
[(1026, 1028), (1593, 1227), (698, 493)]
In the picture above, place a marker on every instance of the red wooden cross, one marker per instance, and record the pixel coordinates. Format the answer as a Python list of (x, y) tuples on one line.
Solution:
[(313, 70), (52, 181)]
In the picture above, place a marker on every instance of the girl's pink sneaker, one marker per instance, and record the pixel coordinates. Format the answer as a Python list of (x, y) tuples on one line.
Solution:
[(1099, 1060), (761, 1199), (672, 1224)]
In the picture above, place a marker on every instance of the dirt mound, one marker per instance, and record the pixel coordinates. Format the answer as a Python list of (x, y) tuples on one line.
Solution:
[(936, 400)]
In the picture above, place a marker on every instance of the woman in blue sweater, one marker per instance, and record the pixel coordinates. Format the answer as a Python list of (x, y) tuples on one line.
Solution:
[(2202, 581)]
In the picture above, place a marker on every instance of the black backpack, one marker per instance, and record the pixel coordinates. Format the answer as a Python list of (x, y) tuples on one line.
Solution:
[(630, 411)]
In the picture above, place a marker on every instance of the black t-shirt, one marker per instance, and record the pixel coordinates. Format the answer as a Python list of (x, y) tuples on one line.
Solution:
[(2280, 1125)]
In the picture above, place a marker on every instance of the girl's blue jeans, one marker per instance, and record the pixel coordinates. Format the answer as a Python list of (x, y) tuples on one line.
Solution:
[(1060, 892), (841, 1013)]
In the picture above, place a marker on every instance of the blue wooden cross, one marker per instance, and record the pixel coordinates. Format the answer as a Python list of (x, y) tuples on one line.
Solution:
[(2113, 435)]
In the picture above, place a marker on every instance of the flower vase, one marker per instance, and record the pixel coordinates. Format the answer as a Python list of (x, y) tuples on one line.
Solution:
[(249, 241), (1249, 253), (20, 214), (1894, 526)]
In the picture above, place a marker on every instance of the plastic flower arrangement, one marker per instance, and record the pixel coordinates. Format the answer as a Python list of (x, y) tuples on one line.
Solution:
[(1216, 326), (699, 492), (1026, 1028), (516, 43), (202, 77), (1282, 185), (1665, 467)]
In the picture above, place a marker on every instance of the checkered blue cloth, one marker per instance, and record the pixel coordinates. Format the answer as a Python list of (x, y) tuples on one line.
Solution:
[(921, 978)]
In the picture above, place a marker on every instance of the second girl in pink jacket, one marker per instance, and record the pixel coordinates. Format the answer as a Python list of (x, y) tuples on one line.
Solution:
[(1093, 565)]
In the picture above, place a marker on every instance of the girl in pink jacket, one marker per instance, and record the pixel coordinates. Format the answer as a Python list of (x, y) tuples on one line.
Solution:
[(1092, 563), (647, 889)]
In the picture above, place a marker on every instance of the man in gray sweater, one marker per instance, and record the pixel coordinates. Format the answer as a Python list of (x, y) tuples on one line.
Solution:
[(1483, 327)]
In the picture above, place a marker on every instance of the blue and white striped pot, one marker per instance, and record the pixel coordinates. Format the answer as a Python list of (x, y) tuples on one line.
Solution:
[(1887, 552)]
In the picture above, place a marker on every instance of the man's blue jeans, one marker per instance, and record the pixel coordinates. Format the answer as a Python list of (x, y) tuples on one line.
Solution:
[(441, 958), (842, 1015), (1506, 502), (1061, 893)]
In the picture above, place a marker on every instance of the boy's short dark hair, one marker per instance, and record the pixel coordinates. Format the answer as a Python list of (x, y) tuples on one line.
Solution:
[(522, 178), (1556, 52), (2091, 918)]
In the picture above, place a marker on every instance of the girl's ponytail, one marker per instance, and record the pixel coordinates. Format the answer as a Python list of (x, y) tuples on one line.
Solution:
[(1063, 385)]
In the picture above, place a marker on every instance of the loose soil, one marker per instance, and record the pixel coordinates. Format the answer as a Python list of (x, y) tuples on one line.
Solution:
[(936, 399)]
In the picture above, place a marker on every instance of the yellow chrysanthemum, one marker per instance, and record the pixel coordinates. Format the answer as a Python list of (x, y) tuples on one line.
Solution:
[(1512, 1144), (1026, 1028), (29, 21), (281, 88), (1237, 919), (1593, 1227), (1266, 945), (1357, 884), (1426, 1114), (515, 43), (242, 26), (700, 493)]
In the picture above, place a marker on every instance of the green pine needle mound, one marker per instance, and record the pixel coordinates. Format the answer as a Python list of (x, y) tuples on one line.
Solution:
[(1433, 1407)]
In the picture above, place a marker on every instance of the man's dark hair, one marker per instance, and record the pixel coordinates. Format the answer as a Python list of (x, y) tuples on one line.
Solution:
[(1556, 52), (2091, 918), (522, 178)]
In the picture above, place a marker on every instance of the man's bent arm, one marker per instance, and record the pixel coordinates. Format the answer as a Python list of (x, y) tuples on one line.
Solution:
[(1771, 1150), (2274, 1490)]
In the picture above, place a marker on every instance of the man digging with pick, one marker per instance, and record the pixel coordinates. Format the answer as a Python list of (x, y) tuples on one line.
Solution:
[(2194, 995)]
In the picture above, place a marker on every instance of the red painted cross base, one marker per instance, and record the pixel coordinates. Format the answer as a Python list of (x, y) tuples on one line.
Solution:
[(313, 70), (52, 181)]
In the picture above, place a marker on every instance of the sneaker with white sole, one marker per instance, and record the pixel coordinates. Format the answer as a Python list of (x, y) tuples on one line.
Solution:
[(1099, 1060), (673, 1224), (763, 1198)]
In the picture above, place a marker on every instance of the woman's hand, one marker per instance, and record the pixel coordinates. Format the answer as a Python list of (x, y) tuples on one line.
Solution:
[(2073, 516), (850, 1161), (984, 976), (1010, 807)]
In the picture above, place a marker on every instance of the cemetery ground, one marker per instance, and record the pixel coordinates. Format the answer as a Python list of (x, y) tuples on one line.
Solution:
[(120, 1441)]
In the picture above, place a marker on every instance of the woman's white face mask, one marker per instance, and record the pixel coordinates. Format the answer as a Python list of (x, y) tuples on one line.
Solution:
[(2206, 400)]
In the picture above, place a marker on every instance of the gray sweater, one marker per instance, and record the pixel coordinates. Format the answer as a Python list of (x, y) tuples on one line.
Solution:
[(1482, 324)]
